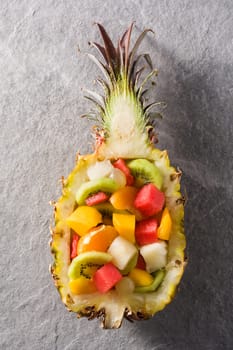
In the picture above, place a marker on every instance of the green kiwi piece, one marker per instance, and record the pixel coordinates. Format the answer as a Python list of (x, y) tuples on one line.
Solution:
[(131, 265), (158, 278), (87, 263), (145, 172), (104, 184), (107, 209)]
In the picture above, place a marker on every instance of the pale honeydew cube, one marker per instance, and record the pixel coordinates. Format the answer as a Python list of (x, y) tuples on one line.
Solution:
[(118, 176), (122, 252), (155, 255), (100, 169)]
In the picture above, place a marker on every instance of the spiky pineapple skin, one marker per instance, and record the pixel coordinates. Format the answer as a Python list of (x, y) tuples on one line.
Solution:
[(111, 307)]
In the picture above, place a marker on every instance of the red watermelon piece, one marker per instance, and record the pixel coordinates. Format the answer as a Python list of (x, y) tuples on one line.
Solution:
[(74, 246), (141, 263), (120, 164), (149, 200), (146, 231), (106, 277), (96, 198)]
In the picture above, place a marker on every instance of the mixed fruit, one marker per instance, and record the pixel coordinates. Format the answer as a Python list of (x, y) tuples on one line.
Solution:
[(119, 229)]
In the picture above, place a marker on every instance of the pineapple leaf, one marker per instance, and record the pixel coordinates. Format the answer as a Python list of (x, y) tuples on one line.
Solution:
[(98, 98), (96, 103), (102, 67), (100, 48), (136, 46), (124, 43), (147, 78), (104, 85), (152, 105), (110, 50)]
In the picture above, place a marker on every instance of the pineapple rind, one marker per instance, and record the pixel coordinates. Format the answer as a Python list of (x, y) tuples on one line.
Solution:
[(115, 305)]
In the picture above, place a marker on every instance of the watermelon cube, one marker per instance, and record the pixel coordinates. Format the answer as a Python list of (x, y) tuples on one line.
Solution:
[(74, 246), (120, 164), (96, 198), (106, 277), (141, 263), (149, 200), (146, 231)]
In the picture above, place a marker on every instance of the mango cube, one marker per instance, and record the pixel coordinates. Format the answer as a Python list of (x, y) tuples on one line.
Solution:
[(164, 230), (83, 219), (125, 225)]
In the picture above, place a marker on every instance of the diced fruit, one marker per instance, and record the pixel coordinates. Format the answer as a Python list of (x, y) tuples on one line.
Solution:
[(146, 231), (83, 219), (107, 209), (158, 278), (87, 263), (158, 217), (122, 252), (118, 176), (120, 164), (155, 255), (125, 225), (145, 172), (140, 277), (131, 265), (98, 239), (74, 246), (125, 286), (141, 263), (99, 169), (149, 200), (165, 226), (96, 198), (103, 184), (82, 285), (124, 198), (106, 277)]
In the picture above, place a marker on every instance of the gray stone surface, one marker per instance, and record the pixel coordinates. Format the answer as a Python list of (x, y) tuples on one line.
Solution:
[(41, 76)]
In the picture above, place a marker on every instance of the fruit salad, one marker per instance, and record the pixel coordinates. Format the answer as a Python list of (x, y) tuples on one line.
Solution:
[(118, 241), (120, 228)]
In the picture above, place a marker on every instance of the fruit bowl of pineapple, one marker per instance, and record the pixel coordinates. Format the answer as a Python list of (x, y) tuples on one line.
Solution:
[(118, 239)]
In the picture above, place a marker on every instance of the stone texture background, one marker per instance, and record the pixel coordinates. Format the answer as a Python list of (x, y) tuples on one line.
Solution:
[(41, 76)]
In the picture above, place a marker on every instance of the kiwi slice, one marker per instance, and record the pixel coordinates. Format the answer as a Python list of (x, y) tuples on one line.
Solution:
[(104, 184), (107, 209), (131, 265), (87, 263), (158, 278), (144, 172)]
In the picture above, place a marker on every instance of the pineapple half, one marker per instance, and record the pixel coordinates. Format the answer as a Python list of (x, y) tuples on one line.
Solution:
[(125, 131)]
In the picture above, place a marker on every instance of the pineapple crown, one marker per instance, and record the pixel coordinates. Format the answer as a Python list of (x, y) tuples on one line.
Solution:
[(122, 73)]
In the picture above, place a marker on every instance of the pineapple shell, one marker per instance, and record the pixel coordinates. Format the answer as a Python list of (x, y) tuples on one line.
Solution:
[(130, 139)]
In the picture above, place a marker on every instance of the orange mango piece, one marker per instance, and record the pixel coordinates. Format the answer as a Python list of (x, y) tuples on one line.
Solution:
[(165, 227), (125, 225), (124, 197), (140, 277), (82, 285), (83, 219), (98, 239)]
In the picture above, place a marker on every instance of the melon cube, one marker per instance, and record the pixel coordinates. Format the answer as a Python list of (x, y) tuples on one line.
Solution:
[(155, 255), (122, 252)]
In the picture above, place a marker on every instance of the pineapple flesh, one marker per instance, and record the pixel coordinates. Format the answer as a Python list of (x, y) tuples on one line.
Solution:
[(124, 131)]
